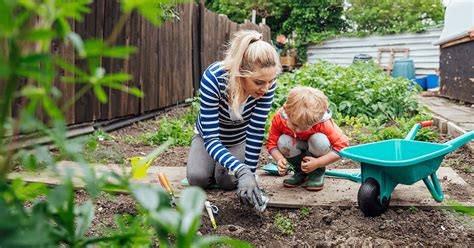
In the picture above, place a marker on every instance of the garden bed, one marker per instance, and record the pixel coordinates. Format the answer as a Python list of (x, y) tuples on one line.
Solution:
[(295, 227)]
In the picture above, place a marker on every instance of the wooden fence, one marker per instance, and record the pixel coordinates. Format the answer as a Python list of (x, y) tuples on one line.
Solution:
[(167, 66)]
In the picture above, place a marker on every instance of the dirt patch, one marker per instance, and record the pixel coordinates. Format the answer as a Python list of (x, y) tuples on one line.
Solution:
[(336, 226)]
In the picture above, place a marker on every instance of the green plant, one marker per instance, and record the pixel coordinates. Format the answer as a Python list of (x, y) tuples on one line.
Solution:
[(394, 17), (283, 224), (304, 212), (180, 129), (412, 209), (367, 104), (360, 90), (52, 217)]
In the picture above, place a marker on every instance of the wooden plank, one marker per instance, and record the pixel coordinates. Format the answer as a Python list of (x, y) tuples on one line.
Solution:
[(158, 67), (403, 195), (465, 39), (142, 56), (108, 23), (134, 65), (196, 46), (99, 33), (116, 107)]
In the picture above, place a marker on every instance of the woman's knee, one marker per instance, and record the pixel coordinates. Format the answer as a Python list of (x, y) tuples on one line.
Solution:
[(319, 144), (199, 179), (287, 147)]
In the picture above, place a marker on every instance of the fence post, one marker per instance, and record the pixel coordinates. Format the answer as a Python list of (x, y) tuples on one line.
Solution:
[(197, 26)]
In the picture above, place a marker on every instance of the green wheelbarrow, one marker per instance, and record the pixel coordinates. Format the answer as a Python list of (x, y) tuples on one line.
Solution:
[(386, 164)]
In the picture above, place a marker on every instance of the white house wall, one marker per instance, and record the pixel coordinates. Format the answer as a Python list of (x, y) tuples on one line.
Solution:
[(341, 51)]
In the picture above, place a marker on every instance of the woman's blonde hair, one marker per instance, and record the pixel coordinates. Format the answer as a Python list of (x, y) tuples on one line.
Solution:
[(306, 106), (246, 54)]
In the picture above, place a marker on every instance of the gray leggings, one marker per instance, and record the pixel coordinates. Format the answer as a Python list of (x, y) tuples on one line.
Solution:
[(203, 170), (317, 145)]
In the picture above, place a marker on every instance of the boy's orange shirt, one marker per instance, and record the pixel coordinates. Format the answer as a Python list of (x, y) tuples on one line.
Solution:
[(279, 127)]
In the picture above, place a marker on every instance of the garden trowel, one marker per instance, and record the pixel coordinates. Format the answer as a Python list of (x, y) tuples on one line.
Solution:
[(164, 182)]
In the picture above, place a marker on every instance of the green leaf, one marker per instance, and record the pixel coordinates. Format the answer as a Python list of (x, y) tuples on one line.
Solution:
[(39, 35), (35, 58), (85, 214), (28, 192), (70, 67), (94, 47), (167, 220), (119, 52), (207, 241), (131, 90), (6, 18), (115, 77), (31, 91), (192, 200), (147, 197), (29, 4), (100, 93), (62, 27)]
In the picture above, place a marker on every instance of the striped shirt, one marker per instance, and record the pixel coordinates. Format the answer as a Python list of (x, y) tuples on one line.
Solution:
[(217, 128)]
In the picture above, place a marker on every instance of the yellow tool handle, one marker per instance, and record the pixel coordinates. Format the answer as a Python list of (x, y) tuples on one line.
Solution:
[(164, 182)]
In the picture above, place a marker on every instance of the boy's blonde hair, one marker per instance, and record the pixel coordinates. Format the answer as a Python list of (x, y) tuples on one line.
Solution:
[(246, 54), (306, 106)]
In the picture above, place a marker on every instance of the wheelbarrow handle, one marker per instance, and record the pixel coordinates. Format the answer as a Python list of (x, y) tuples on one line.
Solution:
[(426, 124), (414, 130)]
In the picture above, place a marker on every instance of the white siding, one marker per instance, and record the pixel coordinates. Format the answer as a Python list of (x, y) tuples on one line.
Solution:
[(342, 50)]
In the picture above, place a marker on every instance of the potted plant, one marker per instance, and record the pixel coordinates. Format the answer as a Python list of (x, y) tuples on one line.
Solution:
[(287, 52)]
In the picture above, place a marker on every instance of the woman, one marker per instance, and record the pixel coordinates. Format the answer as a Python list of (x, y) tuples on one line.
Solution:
[(235, 97)]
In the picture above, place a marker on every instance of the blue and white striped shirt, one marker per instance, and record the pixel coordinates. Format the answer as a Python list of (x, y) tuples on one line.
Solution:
[(217, 128)]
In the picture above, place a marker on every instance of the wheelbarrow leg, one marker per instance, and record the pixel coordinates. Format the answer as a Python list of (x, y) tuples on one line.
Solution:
[(434, 188)]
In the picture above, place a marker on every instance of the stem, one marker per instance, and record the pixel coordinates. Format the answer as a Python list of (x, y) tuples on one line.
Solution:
[(71, 101), (13, 62), (117, 28)]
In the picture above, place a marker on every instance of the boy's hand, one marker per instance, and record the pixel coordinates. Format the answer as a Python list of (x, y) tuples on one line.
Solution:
[(309, 164), (282, 166)]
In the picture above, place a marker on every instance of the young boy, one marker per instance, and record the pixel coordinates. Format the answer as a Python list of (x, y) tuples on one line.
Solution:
[(303, 134)]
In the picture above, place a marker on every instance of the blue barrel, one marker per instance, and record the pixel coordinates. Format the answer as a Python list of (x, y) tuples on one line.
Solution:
[(432, 81), (404, 68)]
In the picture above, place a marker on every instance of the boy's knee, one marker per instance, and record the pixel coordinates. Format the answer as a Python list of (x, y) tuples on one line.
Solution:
[(319, 144), (199, 179), (286, 147)]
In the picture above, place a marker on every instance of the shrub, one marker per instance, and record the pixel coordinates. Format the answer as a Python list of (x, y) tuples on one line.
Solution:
[(360, 90)]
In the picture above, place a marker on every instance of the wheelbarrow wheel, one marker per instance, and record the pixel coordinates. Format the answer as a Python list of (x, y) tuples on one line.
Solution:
[(368, 199)]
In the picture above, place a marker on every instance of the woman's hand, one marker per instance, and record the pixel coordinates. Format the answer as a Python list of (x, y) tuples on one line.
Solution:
[(309, 164), (282, 166)]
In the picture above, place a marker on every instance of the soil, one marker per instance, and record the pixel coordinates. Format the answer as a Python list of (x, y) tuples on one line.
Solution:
[(335, 226)]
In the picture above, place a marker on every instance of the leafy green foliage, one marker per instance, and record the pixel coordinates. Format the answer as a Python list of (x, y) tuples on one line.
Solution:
[(180, 129), (52, 217), (394, 16), (367, 104), (359, 90), (304, 212), (283, 224)]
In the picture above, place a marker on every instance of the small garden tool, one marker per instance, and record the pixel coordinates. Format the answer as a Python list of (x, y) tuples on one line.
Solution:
[(211, 209), (140, 166), (164, 182)]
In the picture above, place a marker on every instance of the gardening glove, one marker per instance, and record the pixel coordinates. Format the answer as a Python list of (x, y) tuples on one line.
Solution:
[(248, 190)]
